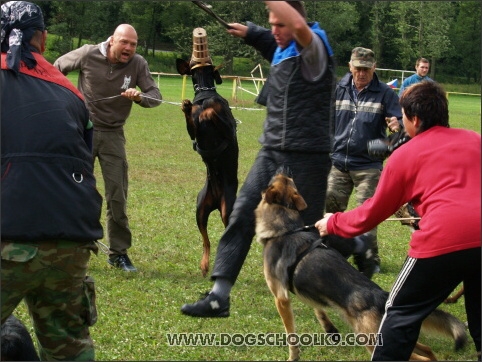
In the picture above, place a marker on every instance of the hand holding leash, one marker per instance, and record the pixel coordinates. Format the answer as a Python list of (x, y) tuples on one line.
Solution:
[(321, 225), (132, 94)]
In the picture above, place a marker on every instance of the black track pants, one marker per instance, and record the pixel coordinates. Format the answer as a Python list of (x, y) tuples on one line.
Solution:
[(421, 286)]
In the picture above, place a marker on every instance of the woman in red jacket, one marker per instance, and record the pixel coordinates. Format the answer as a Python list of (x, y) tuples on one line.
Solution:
[(440, 172)]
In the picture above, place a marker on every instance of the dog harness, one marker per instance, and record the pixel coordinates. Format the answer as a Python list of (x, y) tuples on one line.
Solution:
[(291, 269)]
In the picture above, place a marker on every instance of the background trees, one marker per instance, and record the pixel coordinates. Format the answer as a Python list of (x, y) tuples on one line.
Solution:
[(446, 32)]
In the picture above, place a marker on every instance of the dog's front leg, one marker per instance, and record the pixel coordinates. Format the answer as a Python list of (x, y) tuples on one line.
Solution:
[(186, 107), (286, 314)]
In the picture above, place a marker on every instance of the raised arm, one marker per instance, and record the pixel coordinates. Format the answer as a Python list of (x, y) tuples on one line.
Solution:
[(293, 20)]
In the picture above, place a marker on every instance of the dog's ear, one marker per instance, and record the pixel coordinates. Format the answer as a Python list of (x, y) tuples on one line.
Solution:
[(183, 67), (299, 202), (270, 194)]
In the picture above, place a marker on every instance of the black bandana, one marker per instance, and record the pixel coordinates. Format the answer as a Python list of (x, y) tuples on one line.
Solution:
[(20, 20)]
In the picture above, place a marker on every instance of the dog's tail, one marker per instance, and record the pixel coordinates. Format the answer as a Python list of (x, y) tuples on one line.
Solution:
[(446, 324)]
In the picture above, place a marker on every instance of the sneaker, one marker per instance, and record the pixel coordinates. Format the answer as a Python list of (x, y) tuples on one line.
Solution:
[(122, 262), (209, 306)]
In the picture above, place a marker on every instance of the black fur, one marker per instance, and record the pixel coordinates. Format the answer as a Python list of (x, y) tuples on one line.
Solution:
[(16, 342)]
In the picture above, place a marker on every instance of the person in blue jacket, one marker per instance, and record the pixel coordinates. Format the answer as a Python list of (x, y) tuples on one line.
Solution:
[(299, 100), (422, 67), (365, 108)]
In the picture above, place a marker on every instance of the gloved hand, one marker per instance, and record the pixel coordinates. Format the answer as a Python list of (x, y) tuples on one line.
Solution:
[(379, 148)]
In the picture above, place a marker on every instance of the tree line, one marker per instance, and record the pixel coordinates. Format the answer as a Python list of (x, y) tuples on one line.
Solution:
[(446, 32)]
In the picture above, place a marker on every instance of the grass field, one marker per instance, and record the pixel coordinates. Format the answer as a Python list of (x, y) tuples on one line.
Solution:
[(138, 310)]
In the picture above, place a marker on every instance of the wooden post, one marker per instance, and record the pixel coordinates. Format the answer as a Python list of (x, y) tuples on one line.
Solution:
[(233, 94), (183, 91)]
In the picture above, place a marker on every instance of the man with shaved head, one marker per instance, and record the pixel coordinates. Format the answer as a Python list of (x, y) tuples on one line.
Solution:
[(112, 77)]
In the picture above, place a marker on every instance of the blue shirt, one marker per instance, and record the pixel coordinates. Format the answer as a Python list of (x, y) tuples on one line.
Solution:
[(415, 78)]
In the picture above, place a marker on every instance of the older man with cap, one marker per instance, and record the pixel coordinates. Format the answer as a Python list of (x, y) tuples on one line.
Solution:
[(365, 107), (50, 206)]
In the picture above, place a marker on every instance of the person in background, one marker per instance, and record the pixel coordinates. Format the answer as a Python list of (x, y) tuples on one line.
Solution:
[(110, 73), (296, 136), (365, 107), (50, 205), (445, 191), (422, 67)]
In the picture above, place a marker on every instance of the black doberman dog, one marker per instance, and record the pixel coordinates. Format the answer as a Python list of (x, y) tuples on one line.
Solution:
[(212, 129)]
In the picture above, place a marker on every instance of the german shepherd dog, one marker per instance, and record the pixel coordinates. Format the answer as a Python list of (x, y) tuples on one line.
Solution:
[(297, 261), (16, 342), (212, 128)]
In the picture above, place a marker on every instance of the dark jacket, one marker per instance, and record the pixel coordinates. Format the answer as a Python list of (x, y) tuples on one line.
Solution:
[(299, 112), (357, 123), (48, 189)]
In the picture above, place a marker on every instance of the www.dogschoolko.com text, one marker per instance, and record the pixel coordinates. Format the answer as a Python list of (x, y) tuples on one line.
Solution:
[(272, 339)]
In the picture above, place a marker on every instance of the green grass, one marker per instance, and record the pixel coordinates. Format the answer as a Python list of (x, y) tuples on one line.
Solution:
[(137, 310)]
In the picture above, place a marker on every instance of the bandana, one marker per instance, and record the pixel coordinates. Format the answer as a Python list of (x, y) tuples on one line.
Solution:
[(20, 20)]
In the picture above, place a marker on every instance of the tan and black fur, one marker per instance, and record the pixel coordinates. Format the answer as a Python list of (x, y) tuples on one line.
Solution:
[(212, 129), (322, 277), (456, 296)]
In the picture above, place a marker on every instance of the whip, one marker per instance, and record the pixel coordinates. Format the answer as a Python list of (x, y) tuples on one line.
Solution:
[(207, 9), (403, 218)]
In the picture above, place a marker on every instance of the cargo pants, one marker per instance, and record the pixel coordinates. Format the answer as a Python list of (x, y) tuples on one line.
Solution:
[(340, 188), (51, 277), (109, 148)]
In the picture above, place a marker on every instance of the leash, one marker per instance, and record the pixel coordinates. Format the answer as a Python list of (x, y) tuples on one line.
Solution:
[(155, 99), (303, 228), (142, 95), (104, 248), (309, 227)]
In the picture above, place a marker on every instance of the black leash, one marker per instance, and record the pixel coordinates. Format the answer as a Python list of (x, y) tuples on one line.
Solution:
[(303, 228)]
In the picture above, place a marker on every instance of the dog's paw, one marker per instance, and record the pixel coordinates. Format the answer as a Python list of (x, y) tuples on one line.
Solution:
[(186, 106), (294, 353)]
